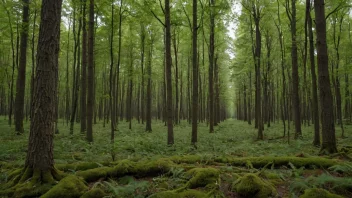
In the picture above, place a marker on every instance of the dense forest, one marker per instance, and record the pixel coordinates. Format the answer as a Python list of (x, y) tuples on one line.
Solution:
[(175, 98)]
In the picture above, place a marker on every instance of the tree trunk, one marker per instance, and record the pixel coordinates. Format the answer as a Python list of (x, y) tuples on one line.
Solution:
[(295, 80), (21, 77), (211, 65), (326, 104), (195, 76), (170, 134), (315, 108), (112, 79), (84, 71), (40, 160), (90, 99), (148, 124)]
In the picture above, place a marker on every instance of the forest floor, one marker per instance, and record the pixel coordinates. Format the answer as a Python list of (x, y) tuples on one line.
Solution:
[(227, 163)]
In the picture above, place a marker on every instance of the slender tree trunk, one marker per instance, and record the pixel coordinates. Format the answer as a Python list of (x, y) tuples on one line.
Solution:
[(142, 70), (67, 91), (76, 67), (90, 99), (112, 79), (148, 126), (10, 105), (21, 77), (211, 65), (175, 44), (195, 76), (170, 136), (295, 80), (315, 108), (84, 71), (326, 104)]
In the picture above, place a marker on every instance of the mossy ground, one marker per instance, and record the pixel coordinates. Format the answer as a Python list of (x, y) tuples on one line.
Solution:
[(145, 166)]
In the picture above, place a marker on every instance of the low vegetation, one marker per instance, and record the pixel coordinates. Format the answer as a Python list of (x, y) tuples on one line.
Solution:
[(227, 163)]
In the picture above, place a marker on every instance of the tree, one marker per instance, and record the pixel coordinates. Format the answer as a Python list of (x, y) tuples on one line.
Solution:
[(84, 70), (195, 75), (40, 161), (325, 95), (295, 80), (168, 64), (21, 77), (148, 123), (90, 99), (211, 65), (315, 107)]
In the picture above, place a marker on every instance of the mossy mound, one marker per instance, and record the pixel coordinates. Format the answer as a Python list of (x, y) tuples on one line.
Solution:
[(318, 193), (185, 194), (250, 185), (201, 177), (69, 187), (94, 193)]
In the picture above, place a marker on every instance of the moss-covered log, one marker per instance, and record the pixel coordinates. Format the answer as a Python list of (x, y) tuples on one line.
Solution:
[(318, 193), (259, 162)]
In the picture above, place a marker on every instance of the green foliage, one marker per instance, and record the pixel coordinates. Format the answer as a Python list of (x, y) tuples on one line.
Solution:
[(345, 168), (337, 184), (128, 187)]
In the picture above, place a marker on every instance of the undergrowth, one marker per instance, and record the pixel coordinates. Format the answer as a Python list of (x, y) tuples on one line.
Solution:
[(232, 140)]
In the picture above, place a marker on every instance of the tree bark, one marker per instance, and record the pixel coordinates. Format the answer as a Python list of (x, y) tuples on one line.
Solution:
[(21, 77), (84, 70), (326, 104), (211, 65), (295, 80), (315, 108), (195, 76), (40, 148), (90, 99), (170, 136)]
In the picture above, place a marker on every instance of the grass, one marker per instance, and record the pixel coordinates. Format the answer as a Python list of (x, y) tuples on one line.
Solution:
[(231, 138)]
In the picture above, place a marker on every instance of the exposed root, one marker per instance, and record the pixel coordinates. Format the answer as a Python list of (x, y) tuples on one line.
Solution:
[(30, 182)]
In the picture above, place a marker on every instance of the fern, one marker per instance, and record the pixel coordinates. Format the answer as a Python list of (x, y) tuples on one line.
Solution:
[(345, 168), (323, 181), (133, 188)]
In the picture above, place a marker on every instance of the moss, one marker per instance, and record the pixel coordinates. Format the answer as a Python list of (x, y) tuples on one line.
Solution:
[(77, 166), (127, 167), (70, 186), (201, 177), (318, 193), (14, 173), (94, 193), (259, 162), (122, 168), (94, 174), (30, 189), (188, 159), (152, 168), (185, 194), (250, 185)]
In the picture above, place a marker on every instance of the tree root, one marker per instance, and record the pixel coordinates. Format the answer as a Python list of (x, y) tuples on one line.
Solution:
[(28, 182)]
